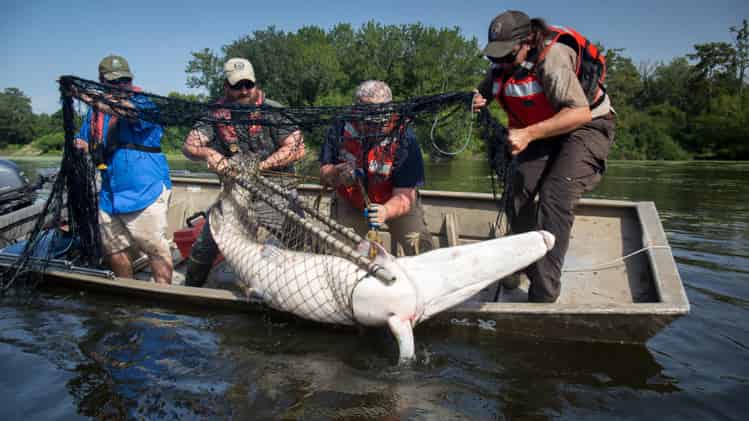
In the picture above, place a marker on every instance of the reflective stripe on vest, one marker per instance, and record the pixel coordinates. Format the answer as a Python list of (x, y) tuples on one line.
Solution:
[(524, 100), (523, 89), (379, 165)]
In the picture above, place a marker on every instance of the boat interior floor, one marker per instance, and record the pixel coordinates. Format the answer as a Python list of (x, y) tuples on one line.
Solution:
[(590, 287)]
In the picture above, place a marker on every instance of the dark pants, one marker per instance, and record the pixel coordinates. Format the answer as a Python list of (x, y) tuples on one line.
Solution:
[(205, 250), (203, 253), (559, 171)]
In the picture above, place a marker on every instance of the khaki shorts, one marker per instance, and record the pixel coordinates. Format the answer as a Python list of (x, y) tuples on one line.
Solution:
[(144, 229)]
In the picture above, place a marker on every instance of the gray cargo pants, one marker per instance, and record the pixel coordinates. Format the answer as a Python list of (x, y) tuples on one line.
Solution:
[(558, 171)]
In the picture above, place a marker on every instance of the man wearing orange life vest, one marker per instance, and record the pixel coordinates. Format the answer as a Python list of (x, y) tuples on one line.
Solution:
[(278, 146), (549, 81), (386, 159)]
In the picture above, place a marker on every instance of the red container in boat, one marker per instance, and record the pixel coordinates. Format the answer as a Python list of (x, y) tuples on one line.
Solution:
[(186, 237)]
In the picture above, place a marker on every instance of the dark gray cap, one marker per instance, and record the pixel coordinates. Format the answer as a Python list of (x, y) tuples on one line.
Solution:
[(506, 31)]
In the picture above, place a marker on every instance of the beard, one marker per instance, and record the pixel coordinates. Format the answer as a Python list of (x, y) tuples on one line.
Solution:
[(249, 99)]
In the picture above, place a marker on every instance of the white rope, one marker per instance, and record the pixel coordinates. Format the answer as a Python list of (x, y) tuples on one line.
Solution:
[(619, 261), (468, 136)]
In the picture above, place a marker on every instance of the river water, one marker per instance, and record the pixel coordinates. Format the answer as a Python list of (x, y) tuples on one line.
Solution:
[(65, 355)]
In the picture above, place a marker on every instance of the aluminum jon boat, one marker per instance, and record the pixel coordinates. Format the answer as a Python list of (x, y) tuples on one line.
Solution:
[(620, 282)]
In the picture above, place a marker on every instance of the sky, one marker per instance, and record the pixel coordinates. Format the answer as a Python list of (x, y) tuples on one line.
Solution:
[(42, 40)]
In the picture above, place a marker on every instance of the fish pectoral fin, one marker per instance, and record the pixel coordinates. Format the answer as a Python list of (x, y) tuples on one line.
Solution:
[(404, 335)]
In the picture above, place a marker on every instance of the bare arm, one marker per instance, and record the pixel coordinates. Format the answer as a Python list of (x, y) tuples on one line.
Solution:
[(565, 121), (401, 202), (329, 175), (124, 108), (564, 92), (195, 146), (291, 150)]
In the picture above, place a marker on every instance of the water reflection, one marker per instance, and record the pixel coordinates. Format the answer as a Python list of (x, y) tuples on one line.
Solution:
[(64, 355), (148, 363)]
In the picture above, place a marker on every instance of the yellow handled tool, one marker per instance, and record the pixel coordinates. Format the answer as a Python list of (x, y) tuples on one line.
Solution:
[(372, 235)]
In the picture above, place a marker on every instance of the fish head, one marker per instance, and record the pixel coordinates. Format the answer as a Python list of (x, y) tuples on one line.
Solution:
[(449, 276), (375, 301)]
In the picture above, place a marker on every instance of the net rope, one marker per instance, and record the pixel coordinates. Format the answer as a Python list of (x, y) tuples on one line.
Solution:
[(279, 244)]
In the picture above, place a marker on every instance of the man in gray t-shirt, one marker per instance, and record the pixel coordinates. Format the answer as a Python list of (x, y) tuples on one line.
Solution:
[(277, 146), (561, 127)]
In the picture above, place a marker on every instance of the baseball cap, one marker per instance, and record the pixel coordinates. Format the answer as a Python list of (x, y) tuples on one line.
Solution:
[(506, 31), (114, 67), (237, 69), (374, 91)]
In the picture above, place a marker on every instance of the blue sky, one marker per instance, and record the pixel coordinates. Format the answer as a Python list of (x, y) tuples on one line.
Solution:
[(42, 40)]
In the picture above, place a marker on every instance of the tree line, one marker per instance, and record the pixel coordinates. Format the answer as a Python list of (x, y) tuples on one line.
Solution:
[(692, 107)]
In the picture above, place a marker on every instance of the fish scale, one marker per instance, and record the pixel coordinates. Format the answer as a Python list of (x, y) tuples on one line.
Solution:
[(282, 278), (291, 259)]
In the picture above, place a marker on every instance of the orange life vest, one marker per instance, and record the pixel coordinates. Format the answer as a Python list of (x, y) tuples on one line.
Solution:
[(522, 94), (378, 164), (227, 131)]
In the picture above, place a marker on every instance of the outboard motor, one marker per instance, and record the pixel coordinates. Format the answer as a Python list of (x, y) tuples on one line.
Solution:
[(15, 190)]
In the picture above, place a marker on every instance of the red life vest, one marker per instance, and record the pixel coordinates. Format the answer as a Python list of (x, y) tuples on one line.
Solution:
[(378, 164), (522, 94), (227, 131), (97, 122)]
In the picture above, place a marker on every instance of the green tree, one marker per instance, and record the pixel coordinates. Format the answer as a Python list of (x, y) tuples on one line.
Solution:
[(16, 117), (714, 70), (204, 71), (724, 134), (670, 83), (174, 136), (742, 52), (622, 78), (50, 142)]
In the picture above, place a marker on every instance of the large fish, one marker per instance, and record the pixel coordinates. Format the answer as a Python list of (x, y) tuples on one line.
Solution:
[(331, 289)]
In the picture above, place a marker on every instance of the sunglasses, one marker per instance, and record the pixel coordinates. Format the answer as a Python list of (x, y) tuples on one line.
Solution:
[(120, 81), (243, 84), (506, 59)]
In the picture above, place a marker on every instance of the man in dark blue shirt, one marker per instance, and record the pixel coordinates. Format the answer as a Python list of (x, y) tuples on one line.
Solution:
[(377, 168)]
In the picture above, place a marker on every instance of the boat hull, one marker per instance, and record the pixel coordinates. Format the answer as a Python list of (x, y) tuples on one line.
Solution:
[(605, 298)]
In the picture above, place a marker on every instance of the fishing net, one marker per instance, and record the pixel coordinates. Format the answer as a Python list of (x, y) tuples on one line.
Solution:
[(274, 237)]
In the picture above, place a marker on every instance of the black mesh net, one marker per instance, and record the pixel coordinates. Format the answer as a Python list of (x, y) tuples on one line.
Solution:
[(275, 240)]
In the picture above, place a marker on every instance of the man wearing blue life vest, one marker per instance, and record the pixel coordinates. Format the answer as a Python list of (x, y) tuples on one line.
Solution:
[(135, 184), (549, 81), (375, 165)]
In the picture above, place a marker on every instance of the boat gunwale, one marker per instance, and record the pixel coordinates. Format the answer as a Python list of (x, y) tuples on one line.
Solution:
[(666, 277), (668, 284)]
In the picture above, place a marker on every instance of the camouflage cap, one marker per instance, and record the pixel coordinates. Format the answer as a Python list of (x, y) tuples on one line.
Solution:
[(114, 67), (506, 31), (373, 91)]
